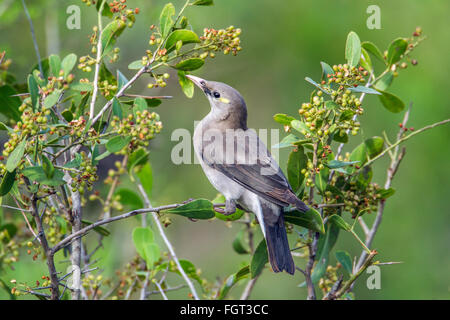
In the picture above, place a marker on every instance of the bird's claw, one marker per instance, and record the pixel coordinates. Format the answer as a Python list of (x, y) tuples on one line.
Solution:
[(223, 211)]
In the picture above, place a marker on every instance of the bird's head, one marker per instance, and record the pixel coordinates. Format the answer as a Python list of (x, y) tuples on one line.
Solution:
[(222, 97)]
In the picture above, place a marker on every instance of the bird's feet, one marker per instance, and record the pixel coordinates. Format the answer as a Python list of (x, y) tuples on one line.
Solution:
[(230, 208)]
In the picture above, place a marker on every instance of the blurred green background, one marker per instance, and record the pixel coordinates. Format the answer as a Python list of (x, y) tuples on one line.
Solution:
[(282, 43)]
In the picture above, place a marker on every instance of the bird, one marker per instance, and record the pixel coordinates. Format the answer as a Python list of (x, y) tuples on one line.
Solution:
[(241, 168)]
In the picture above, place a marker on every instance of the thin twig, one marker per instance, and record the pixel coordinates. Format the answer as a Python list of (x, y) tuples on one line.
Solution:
[(97, 60), (249, 288), (168, 244), (349, 282), (33, 35)]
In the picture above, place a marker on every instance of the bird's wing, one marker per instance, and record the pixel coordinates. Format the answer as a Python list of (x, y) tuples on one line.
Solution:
[(244, 158)]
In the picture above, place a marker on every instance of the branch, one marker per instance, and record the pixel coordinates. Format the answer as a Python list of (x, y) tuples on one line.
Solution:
[(353, 278), (431, 126), (97, 61), (141, 71), (33, 35), (249, 288), (168, 244), (48, 252)]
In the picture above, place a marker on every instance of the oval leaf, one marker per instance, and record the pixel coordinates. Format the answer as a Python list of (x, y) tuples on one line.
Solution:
[(259, 259), (396, 49), (310, 219), (392, 102), (190, 64), (352, 49), (197, 209), (187, 36)]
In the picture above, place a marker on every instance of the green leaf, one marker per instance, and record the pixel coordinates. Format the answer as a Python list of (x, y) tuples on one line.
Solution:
[(340, 138), (334, 164), (7, 289), (117, 143), (283, 119), (326, 243), (232, 280), (121, 80), (203, 3), (374, 146), (321, 180), (197, 209), (190, 64), (83, 87), (117, 109), (110, 34), (259, 259), (186, 265), (129, 198), (296, 162), (344, 258), (135, 65), (331, 105), (68, 63), (165, 19), (55, 64), (385, 81), (38, 174), (7, 182), (300, 126), (106, 11), (187, 36), (152, 254), (137, 158), (52, 99), (396, 49), (288, 141), (391, 102), (48, 167), (67, 115), (146, 247), (238, 243), (339, 222), (145, 175), (370, 147), (326, 70), (313, 83), (310, 219), (365, 60), (186, 85), (352, 49), (99, 229), (16, 156), (386, 193), (364, 89), (34, 91), (9, 105), (373, 49), (74, 163), (4, 127)]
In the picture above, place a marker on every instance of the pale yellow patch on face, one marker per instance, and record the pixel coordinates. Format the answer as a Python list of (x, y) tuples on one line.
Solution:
[(224, 100)]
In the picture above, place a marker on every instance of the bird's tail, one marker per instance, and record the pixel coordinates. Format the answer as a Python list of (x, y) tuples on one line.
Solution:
[(277, 243)]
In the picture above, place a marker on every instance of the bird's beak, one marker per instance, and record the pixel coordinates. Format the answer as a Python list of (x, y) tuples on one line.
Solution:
[(199, 82)]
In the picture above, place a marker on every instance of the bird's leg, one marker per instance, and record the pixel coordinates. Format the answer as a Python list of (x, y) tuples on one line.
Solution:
[(230, 208)]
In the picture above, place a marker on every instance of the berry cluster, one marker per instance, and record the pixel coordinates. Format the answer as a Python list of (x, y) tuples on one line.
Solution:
[(159, 80), (330, 278), (142, 128), (226, 40), (77, 126), (85, 176)]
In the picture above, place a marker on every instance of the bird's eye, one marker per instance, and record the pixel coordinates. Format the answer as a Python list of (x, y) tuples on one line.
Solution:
[(216, 94)]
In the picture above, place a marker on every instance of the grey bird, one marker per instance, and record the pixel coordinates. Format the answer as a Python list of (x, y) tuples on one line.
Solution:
[(238, 165)]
